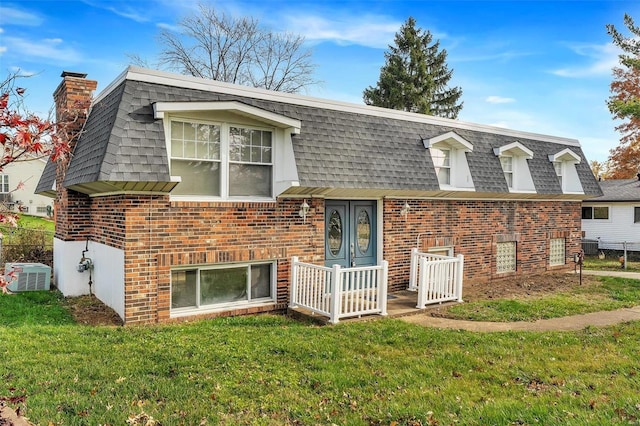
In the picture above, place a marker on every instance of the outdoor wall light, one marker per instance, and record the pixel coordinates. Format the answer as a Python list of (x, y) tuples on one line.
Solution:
[(304, 211), (404, 211)]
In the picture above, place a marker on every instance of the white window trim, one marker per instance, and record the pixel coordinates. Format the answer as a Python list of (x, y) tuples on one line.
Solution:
[(458, 166), (224, 159), (521, 175), (272, 119), (228, 306), (436, 249), (570, 179), (609, 211), (285, 174), (4, 180)]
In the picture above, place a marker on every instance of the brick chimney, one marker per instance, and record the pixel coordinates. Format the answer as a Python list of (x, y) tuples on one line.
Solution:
[(72, 101)]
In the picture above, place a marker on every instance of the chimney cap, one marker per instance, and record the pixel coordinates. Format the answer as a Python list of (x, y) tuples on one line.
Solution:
[(73, 74)]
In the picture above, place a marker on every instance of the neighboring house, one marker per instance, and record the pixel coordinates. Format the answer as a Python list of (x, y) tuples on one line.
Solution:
[(614, 217), (191, 196), (18, 181)]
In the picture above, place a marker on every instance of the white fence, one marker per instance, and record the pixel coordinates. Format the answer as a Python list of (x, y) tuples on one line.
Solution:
[(339, 292), (436, 278)]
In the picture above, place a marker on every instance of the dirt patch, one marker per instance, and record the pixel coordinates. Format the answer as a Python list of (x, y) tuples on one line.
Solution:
[(89, 310), (524, 286)]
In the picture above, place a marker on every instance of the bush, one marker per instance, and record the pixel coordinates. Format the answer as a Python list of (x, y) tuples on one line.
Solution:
[(27, 245)]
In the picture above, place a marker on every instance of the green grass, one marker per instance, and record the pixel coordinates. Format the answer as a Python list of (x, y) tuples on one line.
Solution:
[(36, 222), (270, 370), (610, 263), (611, 293), (32, 308)]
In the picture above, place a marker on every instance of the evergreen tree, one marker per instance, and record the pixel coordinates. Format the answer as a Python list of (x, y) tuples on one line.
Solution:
[(415, 75)]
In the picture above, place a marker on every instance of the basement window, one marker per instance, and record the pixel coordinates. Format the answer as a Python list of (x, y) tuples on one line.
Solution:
[(221, 286)]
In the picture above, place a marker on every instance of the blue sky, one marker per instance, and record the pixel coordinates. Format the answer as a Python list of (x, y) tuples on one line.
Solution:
[(531, 65)]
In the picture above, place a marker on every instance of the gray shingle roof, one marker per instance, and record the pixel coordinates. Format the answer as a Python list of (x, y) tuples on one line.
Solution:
[(619, 190), (335, 149)]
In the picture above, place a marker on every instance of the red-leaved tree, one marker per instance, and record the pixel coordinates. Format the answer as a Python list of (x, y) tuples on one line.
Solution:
[(24, 136)]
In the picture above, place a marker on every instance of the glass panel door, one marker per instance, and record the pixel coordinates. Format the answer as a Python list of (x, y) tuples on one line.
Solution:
[(350, 233)]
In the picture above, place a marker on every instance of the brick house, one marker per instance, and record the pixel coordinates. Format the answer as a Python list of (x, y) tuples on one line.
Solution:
[(191, 196)]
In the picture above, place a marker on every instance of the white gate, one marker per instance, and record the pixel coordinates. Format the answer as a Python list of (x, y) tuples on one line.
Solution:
[(339, 292), (436, 278)]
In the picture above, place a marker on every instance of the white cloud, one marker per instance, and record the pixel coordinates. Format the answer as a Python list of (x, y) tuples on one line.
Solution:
[(22, 72), (124, 9), (168, 27), (370, 31), (14, 16), (52, 49), (130, 13), (602, 59), (499, 100), (3, 49)]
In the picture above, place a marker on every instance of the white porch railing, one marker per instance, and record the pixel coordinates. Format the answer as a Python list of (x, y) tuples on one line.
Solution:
[(339, 292), (436, 278)]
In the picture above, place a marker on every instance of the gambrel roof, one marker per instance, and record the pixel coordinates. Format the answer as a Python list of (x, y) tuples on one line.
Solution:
[(341, 149)]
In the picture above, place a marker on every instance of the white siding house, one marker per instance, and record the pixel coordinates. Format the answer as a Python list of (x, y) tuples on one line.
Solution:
[(18, 183), (614, 218)]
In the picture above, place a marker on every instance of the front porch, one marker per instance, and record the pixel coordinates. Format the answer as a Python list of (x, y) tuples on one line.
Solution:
[(399, 304), (339, 293)]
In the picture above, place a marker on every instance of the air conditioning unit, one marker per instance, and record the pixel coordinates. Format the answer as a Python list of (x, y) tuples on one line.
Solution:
[(29, 276)]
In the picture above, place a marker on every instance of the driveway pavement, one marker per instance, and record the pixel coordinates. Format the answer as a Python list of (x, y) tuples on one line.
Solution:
[(574, 322)]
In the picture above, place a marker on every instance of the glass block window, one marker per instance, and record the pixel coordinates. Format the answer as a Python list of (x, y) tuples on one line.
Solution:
[(41, 209), (506, 257), (556, 251)]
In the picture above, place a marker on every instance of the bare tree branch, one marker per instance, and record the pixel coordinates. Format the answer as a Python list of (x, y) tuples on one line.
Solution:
[(237, 50)]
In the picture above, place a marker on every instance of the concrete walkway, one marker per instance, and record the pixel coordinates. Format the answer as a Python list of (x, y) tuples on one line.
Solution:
[(574, 322)]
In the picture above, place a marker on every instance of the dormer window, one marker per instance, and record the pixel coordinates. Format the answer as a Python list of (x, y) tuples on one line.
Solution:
[(448, 153), (227, 150), (442, 163), (557, 165), (507, 168), (515, 167), (564, 165)]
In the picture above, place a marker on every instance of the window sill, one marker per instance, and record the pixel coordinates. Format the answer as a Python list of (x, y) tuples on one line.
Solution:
[(205, 199), (522, 191), (456, 188), (186, 312)]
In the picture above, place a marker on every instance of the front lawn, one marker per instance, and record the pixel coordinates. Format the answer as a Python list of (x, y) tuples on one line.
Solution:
[(600, 294), (270, 370), (612, 263)]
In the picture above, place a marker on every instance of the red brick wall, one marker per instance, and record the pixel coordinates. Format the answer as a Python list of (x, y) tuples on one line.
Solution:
[(157, 234), (474, 228), (72, 100)]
